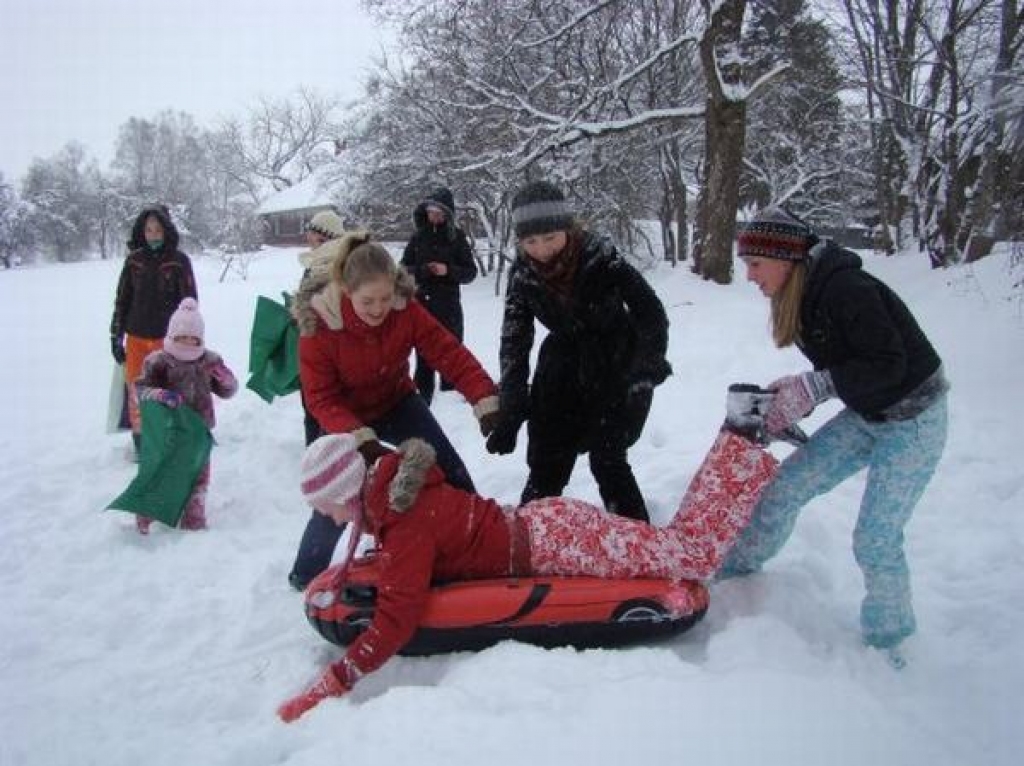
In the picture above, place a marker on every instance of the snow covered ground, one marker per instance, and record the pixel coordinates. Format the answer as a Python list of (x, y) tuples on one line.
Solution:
[(176, 649)]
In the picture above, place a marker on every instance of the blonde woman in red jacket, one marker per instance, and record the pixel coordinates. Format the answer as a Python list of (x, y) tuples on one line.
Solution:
[(357, 329), (426, 530)]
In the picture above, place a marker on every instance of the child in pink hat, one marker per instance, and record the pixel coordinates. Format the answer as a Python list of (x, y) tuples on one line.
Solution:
[(186, 372)]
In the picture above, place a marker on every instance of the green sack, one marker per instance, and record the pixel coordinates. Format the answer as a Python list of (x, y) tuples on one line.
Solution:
[(176, 445), (273, 351)]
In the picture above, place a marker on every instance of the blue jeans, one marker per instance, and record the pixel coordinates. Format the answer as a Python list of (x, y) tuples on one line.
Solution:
[(410, 418), (901, 457)]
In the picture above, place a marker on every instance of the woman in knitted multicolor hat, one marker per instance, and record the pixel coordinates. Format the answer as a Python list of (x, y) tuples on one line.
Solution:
[(599, 364), (867, 350)]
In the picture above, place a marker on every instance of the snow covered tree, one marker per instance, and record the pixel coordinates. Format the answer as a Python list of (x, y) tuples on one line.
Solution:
[(535, 80), (15, 237), (281, 142), (933, 71), (995, 207), (165, 160), (796, 124), (58, 193)]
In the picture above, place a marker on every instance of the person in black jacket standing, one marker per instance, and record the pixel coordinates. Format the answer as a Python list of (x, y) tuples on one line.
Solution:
[(867, 350), (440, 258), (597, 367), (155, 278)]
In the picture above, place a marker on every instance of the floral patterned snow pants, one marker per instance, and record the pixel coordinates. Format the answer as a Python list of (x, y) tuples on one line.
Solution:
[(901, 458), (572, 537)]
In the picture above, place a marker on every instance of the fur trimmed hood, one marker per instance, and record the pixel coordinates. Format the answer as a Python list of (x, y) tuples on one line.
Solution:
[(439, 197), (416, 459), (319, 295), (163, 215)]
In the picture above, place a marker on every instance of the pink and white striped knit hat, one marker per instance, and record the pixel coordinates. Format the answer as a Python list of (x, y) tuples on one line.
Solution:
[(332, 472)]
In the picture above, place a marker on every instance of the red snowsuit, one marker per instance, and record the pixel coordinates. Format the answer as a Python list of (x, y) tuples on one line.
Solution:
[(428, 531)]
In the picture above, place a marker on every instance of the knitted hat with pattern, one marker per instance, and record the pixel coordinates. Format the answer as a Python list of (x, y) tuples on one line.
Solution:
[(776, 233), (185, 322), (327, 224), (333, 472), (540, 208)]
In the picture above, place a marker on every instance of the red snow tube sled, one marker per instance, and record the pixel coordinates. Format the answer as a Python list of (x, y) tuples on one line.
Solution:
[(584, 612)]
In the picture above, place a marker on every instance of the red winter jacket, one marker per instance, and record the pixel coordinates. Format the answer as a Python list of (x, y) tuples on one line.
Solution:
[(427, 531), (356, 374)]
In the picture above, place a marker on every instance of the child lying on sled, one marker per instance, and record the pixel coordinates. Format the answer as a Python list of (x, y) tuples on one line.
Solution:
[(427, 530)]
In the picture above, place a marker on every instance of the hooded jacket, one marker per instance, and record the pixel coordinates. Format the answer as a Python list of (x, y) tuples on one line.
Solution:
[(446, 244), (152, 282), (858, 329)]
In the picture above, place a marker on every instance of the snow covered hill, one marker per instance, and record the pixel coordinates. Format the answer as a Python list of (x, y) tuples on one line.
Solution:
[(176, 649)]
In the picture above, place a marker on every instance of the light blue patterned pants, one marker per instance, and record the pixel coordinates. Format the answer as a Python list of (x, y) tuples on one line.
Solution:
[(901, 458)]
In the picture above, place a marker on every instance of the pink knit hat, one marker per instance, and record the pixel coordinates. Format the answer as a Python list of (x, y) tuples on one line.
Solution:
[(333, 472), (186, 321)]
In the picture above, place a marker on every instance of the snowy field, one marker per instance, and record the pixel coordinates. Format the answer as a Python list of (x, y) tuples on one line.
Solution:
[(176, 649)]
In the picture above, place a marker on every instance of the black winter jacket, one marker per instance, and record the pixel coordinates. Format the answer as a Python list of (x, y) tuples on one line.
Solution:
[(151, 286), (152, 283), (613, 326), (858, 329), (445, 244)]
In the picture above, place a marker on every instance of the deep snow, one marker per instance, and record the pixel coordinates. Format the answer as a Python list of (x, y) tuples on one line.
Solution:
[(176, 649)]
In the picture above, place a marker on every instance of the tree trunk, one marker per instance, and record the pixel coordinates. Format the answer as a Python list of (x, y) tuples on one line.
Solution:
[(682, 228), (976, 236), (724, 135)]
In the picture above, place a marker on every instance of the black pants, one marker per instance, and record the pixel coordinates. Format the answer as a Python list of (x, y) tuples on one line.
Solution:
[(611, 470), (568, 418), (424, 376)]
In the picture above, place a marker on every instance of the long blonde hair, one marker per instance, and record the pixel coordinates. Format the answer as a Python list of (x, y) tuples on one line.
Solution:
[(786, 306), (369, 261)]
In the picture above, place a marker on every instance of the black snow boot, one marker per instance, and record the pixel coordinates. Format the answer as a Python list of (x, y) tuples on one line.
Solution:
[(745, 406)]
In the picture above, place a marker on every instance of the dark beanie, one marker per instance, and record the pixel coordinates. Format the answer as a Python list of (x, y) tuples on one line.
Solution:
[(540, 208), (776, 233)]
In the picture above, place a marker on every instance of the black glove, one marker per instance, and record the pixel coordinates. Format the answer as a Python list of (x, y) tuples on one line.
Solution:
[(648, 373), (502, 440), (117, 348), (373, 450), (489, 423)]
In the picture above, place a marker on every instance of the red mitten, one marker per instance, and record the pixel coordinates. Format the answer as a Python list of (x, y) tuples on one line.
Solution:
[(328, 685), (795, 397)]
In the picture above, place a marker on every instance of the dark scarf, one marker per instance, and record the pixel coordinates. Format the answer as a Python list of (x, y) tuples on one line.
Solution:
[(558, 273)]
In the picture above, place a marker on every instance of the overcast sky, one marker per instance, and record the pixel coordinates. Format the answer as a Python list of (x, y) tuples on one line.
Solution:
[(78, 69)]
